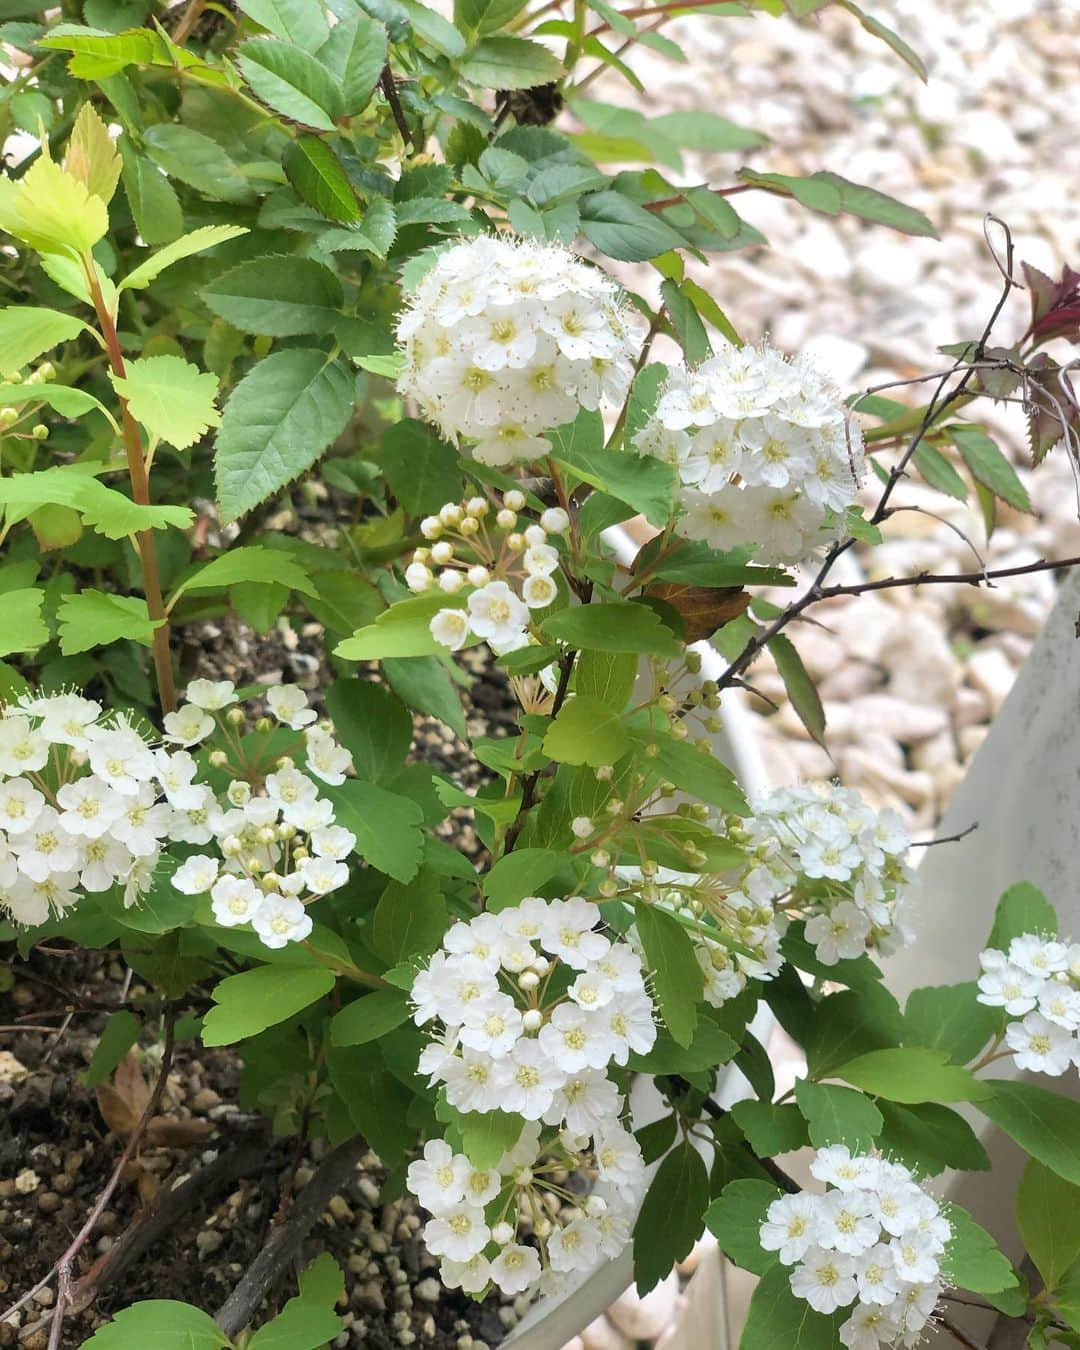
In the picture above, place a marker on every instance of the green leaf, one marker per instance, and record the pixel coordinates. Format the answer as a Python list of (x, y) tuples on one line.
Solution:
[(709, 1048), (879, 30), (487, 1135), (771, 1129), (119, 1034), (344, 601), (107, 511), (951, 1019), (586, 732), (705, 131), (163, 1324), (67, 402), (315, 173), (424, 684), (616, 627), (154, 205), (1048, 1216), (298, 21), (322, 1282), (422, 469), (53, 211), (640, 481), (838, 1115), (251, 562), (989, 466), (26, 332), (197, 160), (299, 1326), (607, 677), (369, 1017), (509, 63), (671, 1215), (173, 399), (409, 920), (912, 1074), (185, 247), (248, 1003), (277, 296), (801, 689), (849, 1023), (831, 194), (736, 1215), (388, 827), (291, 81), (402, 630), (677, 978), (1045, 1125), (278, 421), (972, 1259), (95, 618), (776, 1318), (1022, 909), (374, 726), (928, 1138), (519, 874), (91, 155), (697, 772), (355, 54), (624, 230), (23, 629)]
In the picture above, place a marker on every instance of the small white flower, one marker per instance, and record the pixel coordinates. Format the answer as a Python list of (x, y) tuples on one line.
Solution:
[(438, 1178), (555, 520), (22, 749), (838, 1167), (323, 875), (575, 1247), (188, 725), (840, 934), (915, 1257), (587, 1102), (289, 704), (122, 758), (67, 720), (527, 1080), (326, 759), (211, 695), (45, 849), (1061, 1004), (581, 827), (1038, 956), (332, 841), (540, 560), (234, 900), (470, 1276), (847, 1223), (825, 1279), (20, 805), (419, 577), (869, 1327), (1039, 1044), (450, 628), (459, 1233), (515, 1268), (196, 875), (539, 592), (568, 932), (176, 772), (496, 612), (280, 920), (1009, 987), (492, 1024), (791, 1226)]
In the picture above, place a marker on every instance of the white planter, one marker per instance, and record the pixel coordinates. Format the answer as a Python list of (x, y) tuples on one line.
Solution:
[(551, 1322)]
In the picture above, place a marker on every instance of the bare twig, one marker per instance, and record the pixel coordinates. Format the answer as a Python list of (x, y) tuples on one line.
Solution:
[(188, 20), (62, 1268), (389, 87), (958, 1334), (945, 839), (284, 1243)]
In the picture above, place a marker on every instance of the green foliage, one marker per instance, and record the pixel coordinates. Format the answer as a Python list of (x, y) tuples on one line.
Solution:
[(1022, 909), (912, 1074), (369, 1017), (676, 973), (1042, 1123), (838, 1115), (624, 628), (776, 1317), (173, 399), (671, 1215), (248, 1003), (1048, 1216), (972, 1259), (96, 618), (735, 1218), (949, 1018), (586, 731), (162, 1323)]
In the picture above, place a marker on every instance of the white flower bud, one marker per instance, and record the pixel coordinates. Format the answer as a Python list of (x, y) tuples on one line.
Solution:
[(238, 792), (515, 543), (502, 1234), (478, 575), (533, 1020), (600, 857), (608, 888), (477, 506), (451, 513), (450, 581), (218, 758), (555, 520), (419, 577), (541, 965), (582, 827), (421, 555), (431, 527), (528, 979), (469, 526), (442, 552), (604, 773), (506, 520), (536, 534), (514, 500)]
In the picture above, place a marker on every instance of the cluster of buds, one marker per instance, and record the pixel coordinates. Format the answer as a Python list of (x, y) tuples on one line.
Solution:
[(11, 416)]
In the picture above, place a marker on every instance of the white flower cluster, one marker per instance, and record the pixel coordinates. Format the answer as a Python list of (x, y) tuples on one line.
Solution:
[(88, 802), (505, 339), (1038, 982), (768, 458), (875, 1240), (534, 1004), (473, 548)]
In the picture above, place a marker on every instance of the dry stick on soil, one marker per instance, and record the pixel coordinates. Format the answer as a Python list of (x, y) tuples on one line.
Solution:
[(169, 1208), (62, 1268), (285, 1242)]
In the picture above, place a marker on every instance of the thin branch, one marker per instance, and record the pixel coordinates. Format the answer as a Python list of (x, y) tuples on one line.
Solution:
[(389, 87), (528, 792), (188, 20), (945, 839), (958, 1334), (284, 1243), (62, 1268)]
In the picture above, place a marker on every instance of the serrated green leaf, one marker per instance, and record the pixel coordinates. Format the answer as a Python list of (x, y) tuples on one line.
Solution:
[(119, 1034), (928, 1137), (315, 172), (291, 81), (53, 211), (277, 296), (373, 725), (831, 195), (1022, 909), (162, 1323), (252, 562), (639, 480), (950, 1018), (518, 874), (173, 399), (586, 732), (91, 156), (26, 332), (777, 1318), (23, 628), (838, 1115), (154, 205), (299, 1326), (771, 1129), (197, 160), (402, 630), (64, 400), (624, 230), (388, 827), (279, 419), (96, 618), (677, 977), (736, 1215), (298, 21), (197, 241), (422, 469), (1045, 1125), (104, 509), (509, 63), (425, 685), (670, 1220), (989, 466), (355, 54), (248, 1003), (613, 627), (971, 1259)]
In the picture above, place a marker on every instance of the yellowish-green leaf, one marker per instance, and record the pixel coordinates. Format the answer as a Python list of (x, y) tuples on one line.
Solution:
[(53, 211), (194, 242), (61, 398), (103, 508), (254, 563), (23, 628), (68, 274), (96, 618), (173, 399), (26, 332), (91, 155)]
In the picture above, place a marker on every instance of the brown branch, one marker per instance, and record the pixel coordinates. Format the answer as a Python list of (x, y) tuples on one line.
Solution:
[(62, 1268), (528, 791), (188, 20), (945, 839), (284, 1243), (170, 1206), (389, 87), (680, 198), (958, 1334)]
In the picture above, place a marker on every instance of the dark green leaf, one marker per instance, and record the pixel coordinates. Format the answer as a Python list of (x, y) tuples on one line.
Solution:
[(989, 466), (777, 1318), (1022, 909), (622, 229), (509, 63), (373, 725), (616, 627), (771, 1129), (409, 920), (677, 977), (519, 874), (736, 1216), (831, 194), (801, 689), (119, 1034), (277, 296), (291, 81), (422, 469), (388, 827), (369, 1017), (355, 54), (838, 1115), (928, 1138), (1048, 1216), (671, 1215), (1045, 1125), (950, 1018), (316, 174)]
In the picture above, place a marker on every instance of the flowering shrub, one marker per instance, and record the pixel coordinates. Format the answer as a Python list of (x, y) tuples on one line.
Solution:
[(293, 255)]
